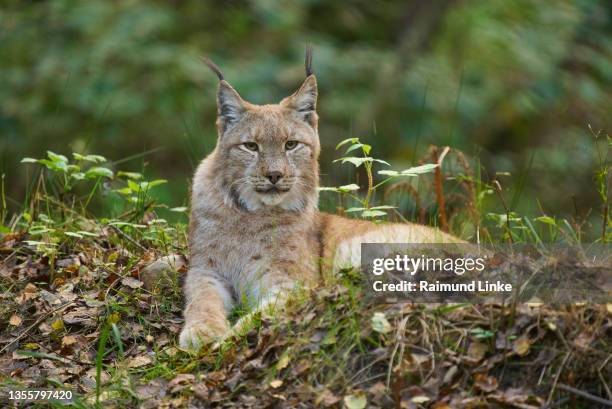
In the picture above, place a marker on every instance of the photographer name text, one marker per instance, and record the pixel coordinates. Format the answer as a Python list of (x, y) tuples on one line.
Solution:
[(426, 286)]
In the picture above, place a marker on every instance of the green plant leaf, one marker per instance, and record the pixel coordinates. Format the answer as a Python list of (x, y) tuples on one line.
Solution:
[(355, 209), (130, 175), (340, 189), (354, 160), (481, 333), (38, 244), (55, 157), (99, 357), (158, 221), (364, 147), (124, 191), (99, 172), (344, 142), (156, 182), (89, 158), (388, 172), (348, 188), (36, 230), (87, 233), (133, 186), (95, 158), (145, 186), (501, 218), (58, 166), (373, 213), (43, 217), (29, 160), (381, 161), (418, 170), (546, 220), (449, 308), (134, 225)]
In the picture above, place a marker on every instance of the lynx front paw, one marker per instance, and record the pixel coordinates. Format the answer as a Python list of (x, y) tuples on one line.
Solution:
[(195, 335)]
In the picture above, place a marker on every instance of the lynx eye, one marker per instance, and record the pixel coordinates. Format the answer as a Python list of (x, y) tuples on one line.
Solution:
[(252, 146), (289, 145)]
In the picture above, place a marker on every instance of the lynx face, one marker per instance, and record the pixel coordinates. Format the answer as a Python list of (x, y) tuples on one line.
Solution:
[(268, 154)]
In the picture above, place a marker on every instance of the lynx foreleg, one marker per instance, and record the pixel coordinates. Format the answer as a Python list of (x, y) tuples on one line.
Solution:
[(207, 305), (268, 295)]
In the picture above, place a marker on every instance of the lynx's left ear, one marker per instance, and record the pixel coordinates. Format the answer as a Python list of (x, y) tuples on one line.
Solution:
[(230, 106), (304, 100)]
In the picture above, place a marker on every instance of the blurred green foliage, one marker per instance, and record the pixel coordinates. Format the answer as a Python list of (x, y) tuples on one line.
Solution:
[(513, 83)]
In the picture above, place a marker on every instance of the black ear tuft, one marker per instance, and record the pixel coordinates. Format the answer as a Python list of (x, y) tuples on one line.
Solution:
[(230, 106), (308, 61), (214, 68)]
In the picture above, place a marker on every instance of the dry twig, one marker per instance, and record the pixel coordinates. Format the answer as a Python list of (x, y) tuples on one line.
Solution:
[(585, 395)]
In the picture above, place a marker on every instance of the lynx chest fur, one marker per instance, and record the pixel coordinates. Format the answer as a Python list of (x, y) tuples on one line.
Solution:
[(243, 247)]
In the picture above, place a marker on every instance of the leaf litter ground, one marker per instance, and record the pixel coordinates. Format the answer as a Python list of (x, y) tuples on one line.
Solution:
[(81, 319)]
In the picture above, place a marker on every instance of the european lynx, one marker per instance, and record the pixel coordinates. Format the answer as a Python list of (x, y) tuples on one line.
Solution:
[(255, 229)]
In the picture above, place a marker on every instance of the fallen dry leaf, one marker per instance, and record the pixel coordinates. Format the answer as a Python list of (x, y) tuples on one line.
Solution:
[(583, 341), (150, 390), (283, 362), (276, 383), (181, 379), (378, 390), (356, 400), (68, 340), (132, 282), (81, 316), (138, 361), (380, 323), (521, 346), (518, 398), (450, 374), (200, 391), (477, 351), (180, 382), (327, 398), (420, 399), (15, 320), (485, 383)]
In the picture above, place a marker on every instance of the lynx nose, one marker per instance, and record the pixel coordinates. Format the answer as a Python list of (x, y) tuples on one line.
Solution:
[(274, 176)]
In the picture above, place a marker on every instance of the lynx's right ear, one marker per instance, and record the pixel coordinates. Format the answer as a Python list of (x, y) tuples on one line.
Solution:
[(304, 100), (230, 106)]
